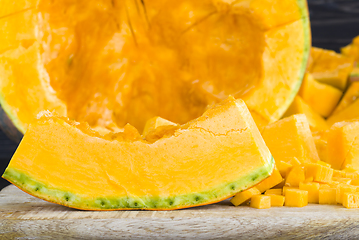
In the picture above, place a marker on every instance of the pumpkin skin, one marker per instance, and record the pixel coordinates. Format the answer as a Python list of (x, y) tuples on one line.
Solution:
[(118, 62), (204, 161)]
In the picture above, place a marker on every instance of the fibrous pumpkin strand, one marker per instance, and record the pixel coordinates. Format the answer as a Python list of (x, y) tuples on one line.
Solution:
[(146, 15), (17, 12), (198, 22), (131, 27)]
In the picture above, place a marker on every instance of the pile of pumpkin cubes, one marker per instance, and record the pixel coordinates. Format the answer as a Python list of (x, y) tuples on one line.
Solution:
[(300, 177)]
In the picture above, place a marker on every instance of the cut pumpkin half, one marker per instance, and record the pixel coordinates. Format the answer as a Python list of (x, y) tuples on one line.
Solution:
[(204, 161), (109, 63)]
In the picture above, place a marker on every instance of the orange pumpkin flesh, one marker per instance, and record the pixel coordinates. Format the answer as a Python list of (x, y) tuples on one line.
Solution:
[(115, 62), (204, 161)]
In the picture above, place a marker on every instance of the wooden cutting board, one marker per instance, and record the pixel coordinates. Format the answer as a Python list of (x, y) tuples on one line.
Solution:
[(25, 217)]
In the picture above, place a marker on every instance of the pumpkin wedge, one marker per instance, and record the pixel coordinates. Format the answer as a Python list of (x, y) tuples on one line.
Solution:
[(110, 63), (204, 161)]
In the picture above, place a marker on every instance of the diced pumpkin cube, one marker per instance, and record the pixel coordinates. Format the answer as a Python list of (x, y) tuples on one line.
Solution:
[(344, 188), (261, 201), (342, 180), (241, 197), (270, 182), (285, 188), (343, 145), (277, 200), (338, 173), (351, 200), (291, 138), (313, 191), (296, 198), (295, 176), (276, 191), (331, 68), (284, 168), (319, 172), (322, 97), (316, 122), (355, 182), (328, 196)]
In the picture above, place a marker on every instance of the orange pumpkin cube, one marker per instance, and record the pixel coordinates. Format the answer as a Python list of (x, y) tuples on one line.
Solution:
[(295, 176), (260, 201), (270, 182), (328, 196), (351, 200), (344, 188), (296, 198), (241, 197), (277, 200), (319, 172), (313, 191)]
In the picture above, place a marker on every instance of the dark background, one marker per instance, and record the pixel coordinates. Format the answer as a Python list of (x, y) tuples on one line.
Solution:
[(334, 24)]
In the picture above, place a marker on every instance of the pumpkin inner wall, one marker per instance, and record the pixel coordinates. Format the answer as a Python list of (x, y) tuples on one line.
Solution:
[(127, 61)]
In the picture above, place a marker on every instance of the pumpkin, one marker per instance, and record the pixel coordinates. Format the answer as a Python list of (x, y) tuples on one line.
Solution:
[(204, 161), (115, 62)]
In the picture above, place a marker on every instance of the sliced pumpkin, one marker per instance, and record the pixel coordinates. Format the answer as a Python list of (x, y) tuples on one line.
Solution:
[(343, 145), (331, 68), (349, 97), (322, 97), (290, 138), (109, 63), (347, 114), (298, 106), (206, 160)]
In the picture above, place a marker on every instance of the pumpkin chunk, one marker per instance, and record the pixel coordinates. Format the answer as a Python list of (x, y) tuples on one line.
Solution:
[(351, 200), (296, 198), (295, 176), (88, 171), (298, 106), (331, 68), (342, 189), (318, 172), (348, 113), (241, 197), (291, 138), (270, 182), (313, 191), (328, 196), (321, 97), (260, 201), (343, 145), (284, 168), (351, 94), (276, 200)]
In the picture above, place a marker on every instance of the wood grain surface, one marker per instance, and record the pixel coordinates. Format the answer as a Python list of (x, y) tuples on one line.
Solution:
[(25, 217)]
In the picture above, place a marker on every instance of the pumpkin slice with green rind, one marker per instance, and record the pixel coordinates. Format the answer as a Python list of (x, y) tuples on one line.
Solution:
[(110, 63), (204, 161)]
